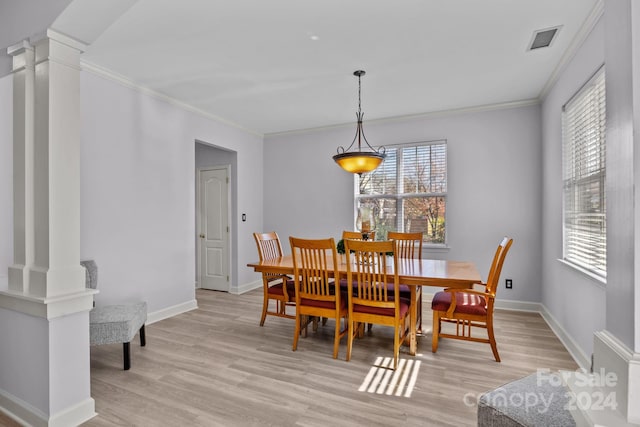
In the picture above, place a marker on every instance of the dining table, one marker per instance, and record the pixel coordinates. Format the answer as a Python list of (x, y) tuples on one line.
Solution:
[(411, 272)]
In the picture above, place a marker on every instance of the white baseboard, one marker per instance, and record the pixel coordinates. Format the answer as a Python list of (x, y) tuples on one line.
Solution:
[(612, 356), (26, 414), (574, 350), (246, 287), (174, 310), (75, 415)]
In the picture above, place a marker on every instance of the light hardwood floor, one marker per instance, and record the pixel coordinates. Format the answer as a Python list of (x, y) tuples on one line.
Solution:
[(215, 366)]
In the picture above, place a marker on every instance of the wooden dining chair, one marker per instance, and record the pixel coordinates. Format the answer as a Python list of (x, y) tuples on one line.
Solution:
[(277, 287), (470, 308), (316, 294), (346, 234), (370, 271), (409, 245)]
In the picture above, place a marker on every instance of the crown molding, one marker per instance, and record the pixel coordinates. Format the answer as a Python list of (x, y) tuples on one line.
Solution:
[(428, 115), (124, 81)]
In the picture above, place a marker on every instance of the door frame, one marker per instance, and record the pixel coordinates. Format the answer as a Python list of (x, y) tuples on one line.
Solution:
[(199, 171)]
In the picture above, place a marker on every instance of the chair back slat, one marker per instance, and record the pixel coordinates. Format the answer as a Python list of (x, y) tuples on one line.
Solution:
[(496, 265), (314, 268), (408, 245), (269, 247), (369, 274), (357, 235)]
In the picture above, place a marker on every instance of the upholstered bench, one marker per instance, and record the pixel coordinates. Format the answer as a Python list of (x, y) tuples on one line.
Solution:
[(115, 324), (530, 401)]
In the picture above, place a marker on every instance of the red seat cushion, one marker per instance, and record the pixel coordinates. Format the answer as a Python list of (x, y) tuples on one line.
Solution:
[(291, 290), (324, 304), (404, 309), (465, 303)]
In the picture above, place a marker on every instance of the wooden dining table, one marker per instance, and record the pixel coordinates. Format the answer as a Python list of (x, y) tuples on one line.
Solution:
[(412, 272)]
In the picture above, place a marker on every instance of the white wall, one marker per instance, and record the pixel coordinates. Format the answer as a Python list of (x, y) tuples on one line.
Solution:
[(494, 186), (576, 301), (138, 192)]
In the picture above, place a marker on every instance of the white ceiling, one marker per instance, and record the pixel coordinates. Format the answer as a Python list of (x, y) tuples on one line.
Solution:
[(282, 65)]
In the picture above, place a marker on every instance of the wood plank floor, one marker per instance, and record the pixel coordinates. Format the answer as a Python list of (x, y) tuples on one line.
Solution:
[(215, 366)]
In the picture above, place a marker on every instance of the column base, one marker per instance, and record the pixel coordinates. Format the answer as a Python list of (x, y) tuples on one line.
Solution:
[(613, 357)]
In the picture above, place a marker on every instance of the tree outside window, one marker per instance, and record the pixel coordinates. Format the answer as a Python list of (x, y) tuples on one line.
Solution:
[(408, 192)]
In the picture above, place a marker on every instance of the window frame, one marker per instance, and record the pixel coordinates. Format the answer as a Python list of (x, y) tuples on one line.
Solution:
[(576, 180), (402, 196)]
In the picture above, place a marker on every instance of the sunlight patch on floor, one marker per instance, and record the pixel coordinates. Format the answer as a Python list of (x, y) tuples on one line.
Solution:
[(382, 379)]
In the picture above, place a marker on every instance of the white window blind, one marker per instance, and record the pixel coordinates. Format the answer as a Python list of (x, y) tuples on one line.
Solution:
[(583, 135), (408, 191)]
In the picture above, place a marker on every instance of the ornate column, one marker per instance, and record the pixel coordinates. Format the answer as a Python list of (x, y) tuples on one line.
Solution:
[(45, 311)]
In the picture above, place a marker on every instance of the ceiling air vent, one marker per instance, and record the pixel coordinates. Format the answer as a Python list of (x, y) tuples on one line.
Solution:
[(543, 38)]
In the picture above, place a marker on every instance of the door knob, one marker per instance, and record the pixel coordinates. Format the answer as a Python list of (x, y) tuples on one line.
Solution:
[(202, 236)]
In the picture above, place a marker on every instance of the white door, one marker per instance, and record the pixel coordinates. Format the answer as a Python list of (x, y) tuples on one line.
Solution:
[(214, 229)]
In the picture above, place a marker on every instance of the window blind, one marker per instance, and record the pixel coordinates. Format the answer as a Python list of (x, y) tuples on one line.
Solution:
[(407, 192), (584, 172)]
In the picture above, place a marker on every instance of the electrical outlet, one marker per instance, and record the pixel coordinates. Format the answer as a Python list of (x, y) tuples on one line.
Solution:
[(508, 283)]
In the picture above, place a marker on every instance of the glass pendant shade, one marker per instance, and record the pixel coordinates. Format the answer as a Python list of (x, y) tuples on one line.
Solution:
[(359, 162)]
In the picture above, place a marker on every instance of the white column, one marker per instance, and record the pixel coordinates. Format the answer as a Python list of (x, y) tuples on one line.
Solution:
[(44, 314), (23, 110), (617, 349)]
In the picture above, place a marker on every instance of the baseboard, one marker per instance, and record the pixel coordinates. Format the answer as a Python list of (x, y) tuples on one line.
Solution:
[(246, 287), (174, 310), (75, 415), (612, 356), (578, 355), (25, 414)]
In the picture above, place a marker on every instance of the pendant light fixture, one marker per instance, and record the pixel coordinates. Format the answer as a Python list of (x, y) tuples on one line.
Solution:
[(359, 161)]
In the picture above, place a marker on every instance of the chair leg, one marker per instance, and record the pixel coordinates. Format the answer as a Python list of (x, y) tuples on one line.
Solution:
[(396, 346), (126, 356), (436, 331), (143, 339), (336, 338), (419, 291), (265, 304), (296, 333), (492, 340), (350, 332)]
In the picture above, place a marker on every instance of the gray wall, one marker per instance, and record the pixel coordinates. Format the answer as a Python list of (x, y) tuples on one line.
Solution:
[(575, 300), (494, 163)]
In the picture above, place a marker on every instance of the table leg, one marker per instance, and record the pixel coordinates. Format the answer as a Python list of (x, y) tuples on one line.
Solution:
[(413, 317)]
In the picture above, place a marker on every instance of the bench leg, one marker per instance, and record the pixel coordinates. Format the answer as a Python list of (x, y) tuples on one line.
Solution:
[(143, 340), (127, 358)]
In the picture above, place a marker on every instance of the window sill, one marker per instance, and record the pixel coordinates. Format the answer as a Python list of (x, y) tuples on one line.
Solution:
[(437, 249), (598, 280)]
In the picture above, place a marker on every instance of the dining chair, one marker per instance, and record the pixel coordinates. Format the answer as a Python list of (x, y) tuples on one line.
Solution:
[(346, 234), (470, 308), (409, 245), (370, 271), (315, 290), (277, 287)]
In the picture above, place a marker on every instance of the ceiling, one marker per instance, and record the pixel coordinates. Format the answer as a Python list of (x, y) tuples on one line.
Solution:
[(284, 65)]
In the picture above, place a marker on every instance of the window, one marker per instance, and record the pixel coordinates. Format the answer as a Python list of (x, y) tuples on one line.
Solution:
[(408, 192), (583, 136)]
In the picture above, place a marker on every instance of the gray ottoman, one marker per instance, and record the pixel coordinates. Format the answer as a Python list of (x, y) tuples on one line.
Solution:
[(535, 400), (114, 324)]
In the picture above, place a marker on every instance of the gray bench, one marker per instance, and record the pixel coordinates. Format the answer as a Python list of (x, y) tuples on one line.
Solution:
[(115, 324)]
